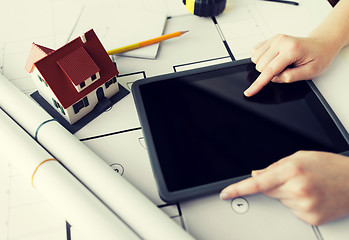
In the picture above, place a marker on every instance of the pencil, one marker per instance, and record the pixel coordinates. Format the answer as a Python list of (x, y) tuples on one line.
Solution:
[(284, 1), (145, 43)]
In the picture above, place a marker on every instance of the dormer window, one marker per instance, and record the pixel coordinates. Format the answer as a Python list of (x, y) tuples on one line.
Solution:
[(79, 67)]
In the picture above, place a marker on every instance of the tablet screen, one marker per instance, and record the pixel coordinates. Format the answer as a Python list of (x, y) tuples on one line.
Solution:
[(203, 130)]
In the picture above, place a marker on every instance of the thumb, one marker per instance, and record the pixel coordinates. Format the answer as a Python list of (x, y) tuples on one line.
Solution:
[(303, 72)]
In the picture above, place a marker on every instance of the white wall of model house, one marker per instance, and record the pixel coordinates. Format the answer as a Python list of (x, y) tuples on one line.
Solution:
[(109, 89)]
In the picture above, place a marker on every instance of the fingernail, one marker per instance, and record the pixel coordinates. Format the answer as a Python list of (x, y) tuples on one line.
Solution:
[(256, 172), (247, 93), (253, 59), (223, 195)]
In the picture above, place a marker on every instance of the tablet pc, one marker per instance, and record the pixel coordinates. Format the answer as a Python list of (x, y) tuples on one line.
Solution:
[(203, 134)]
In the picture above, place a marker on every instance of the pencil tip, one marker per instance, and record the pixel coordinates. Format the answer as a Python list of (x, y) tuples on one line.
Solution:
[(182, 32)]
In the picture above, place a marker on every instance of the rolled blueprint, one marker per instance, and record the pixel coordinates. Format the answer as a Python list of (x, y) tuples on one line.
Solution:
[(78, 205), (144, 217)]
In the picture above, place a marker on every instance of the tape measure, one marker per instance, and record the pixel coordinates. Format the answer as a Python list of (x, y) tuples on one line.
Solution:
[(205, 8)]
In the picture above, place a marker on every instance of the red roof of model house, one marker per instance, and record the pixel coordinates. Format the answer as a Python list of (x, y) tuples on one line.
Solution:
[(78, 66), (71, 65), (36, 53)]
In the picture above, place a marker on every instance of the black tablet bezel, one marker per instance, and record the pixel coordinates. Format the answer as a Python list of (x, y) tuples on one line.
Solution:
[(207, 188)]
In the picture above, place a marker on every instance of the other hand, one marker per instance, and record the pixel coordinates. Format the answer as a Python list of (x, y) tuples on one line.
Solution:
[(314, 185)]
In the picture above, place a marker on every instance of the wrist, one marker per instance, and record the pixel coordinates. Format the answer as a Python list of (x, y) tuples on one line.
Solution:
[(329, 44), (334, 30)]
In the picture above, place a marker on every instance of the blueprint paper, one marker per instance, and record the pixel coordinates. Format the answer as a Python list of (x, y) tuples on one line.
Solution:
[(245, 26), (24, 211), (336, 229), (134, 165), (265, 218), (130, 205), (202, 43), (183, 53), (280, 18), (49, 25), (117, 27), (4, 196), (63, 190), (172, 56), (169, 7)]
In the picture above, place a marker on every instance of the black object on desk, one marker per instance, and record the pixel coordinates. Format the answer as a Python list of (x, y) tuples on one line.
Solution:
[(203, 134), (284, 1), (205, 8)]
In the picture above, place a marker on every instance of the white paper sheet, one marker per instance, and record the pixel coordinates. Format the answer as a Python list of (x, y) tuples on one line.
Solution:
[(246, 25), (24, 211), (4, 196), (46, 22), (130, 205), (80, 207), (117, 27)]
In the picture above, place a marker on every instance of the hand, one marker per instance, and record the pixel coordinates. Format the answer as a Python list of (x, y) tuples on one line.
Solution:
[(285, 59), (313, 184)]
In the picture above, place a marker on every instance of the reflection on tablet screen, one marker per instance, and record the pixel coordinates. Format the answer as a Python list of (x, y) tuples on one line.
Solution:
[(204, 130)]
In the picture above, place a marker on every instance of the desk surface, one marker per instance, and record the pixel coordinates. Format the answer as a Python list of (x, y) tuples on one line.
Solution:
[(116, 135)]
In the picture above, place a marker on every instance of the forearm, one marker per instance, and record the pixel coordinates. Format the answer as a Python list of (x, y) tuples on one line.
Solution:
[(334, 30)]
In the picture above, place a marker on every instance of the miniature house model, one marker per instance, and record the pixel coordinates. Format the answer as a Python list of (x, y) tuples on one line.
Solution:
[(75, 78)]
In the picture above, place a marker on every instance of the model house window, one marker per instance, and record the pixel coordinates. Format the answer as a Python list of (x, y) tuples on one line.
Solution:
[(81, 104), (62, 110), (107, 84), (42, 80), (57, 105), (82, 73), (85, 100), (110, 82)]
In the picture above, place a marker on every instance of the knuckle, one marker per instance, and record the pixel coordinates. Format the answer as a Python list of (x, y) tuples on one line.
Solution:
[(269, 71), (290, 46), (293, 46), (295, 168), (280, 37), (285, 41), (257, 186), (312, 206), (307, 190), (301, 154)]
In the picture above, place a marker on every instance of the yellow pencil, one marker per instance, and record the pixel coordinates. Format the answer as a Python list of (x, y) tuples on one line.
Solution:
[(145, 43)]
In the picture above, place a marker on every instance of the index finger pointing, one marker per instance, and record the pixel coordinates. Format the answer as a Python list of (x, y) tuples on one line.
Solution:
[(274, 68), (263, 182)]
